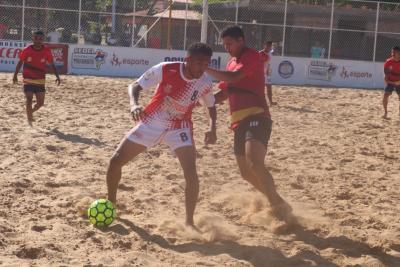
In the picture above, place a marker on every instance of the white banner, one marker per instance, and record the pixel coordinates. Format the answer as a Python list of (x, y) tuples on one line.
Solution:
[(125, 61), (133, 62), (323, 72)]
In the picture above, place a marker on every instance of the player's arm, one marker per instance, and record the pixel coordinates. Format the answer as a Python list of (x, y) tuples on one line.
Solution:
[(148, 80), (227, 76), (221, 96), (211, 135), (58, 81), (208, 100), (17, 69), (134, 92)]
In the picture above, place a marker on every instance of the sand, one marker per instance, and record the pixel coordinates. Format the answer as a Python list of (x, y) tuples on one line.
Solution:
[(332, 156)]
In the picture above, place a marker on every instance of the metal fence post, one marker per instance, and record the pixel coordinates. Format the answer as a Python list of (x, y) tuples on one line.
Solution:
[(331, 30), (204, 22), (185, 28), (79, 20), (133, 23), (113, 18), (237, 12), (284, 29), (23, 21), (376, 31)]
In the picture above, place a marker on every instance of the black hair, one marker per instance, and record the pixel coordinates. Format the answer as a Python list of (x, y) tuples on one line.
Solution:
[(268, 42), (201, 49), (38, 32), (234, 32), (396, 48)]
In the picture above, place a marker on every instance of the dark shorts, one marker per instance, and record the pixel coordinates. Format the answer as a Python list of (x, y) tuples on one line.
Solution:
[(390, 88), (34, 88), (255, 127)]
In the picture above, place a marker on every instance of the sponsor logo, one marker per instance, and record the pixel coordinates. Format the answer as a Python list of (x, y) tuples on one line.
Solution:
[(347, 74), (58, 56), (88, 58), (215, 62), (286, 69), (115, 61), (321, 70), (9, 51)]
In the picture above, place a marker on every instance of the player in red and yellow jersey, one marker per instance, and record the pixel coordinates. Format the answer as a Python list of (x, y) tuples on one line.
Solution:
[(243, 85), (34, 59), (392, 78)]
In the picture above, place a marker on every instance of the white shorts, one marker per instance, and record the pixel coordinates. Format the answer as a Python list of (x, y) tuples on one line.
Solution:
[(268, 80), (150, 135)]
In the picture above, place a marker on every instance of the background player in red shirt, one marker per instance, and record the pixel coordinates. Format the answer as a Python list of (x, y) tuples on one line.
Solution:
[(167, 118), (392, 78), (34, 59), (266, 55), (251, 122)]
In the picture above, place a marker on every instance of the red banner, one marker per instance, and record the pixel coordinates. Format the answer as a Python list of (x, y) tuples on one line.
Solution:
[(60, 56)]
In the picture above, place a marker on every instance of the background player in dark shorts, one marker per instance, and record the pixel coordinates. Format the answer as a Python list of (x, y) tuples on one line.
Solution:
[(251, 121), (392, 78), (34, 59)]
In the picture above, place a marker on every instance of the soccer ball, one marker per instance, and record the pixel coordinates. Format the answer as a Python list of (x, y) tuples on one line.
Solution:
[(101, 212)]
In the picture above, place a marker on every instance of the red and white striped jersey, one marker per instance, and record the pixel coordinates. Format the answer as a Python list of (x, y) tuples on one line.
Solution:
[(175, 97)]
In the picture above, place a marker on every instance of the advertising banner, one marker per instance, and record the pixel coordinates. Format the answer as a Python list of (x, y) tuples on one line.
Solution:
[(60, 57), (10, 50), (125, 61), (323, 72), (9, 54)]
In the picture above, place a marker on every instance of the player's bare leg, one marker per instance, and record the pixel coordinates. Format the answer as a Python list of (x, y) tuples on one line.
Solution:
[(253, 170), (125, 152), (29, 111), (39, 101), (187, 159), (385, 102), (269, 95)]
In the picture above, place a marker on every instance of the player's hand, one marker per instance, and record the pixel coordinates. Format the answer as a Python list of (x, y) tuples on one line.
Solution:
[(58, 81), (137, 112), (210, 137), (15, 79)]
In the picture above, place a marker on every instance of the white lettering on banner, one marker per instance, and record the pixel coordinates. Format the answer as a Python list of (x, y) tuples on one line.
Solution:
[(346, 74), (128, 61), (13, 44), (88, 58), (321, 70)]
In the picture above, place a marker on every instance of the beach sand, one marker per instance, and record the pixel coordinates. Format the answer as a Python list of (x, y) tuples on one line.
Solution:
[(333, 157)]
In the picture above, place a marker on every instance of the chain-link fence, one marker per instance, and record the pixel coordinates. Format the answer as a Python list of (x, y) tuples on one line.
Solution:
[(338, 29)]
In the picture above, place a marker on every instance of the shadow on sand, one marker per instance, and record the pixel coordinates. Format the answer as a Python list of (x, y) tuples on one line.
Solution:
[(74, 138)]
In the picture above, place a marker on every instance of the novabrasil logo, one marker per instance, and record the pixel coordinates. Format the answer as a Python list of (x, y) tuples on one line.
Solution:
[(286, 69), (215, 62)]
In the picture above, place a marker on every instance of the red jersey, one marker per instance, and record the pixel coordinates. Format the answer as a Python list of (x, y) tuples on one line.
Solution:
[(247, 96), (175, 97), (35, 64), (392, 70)]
